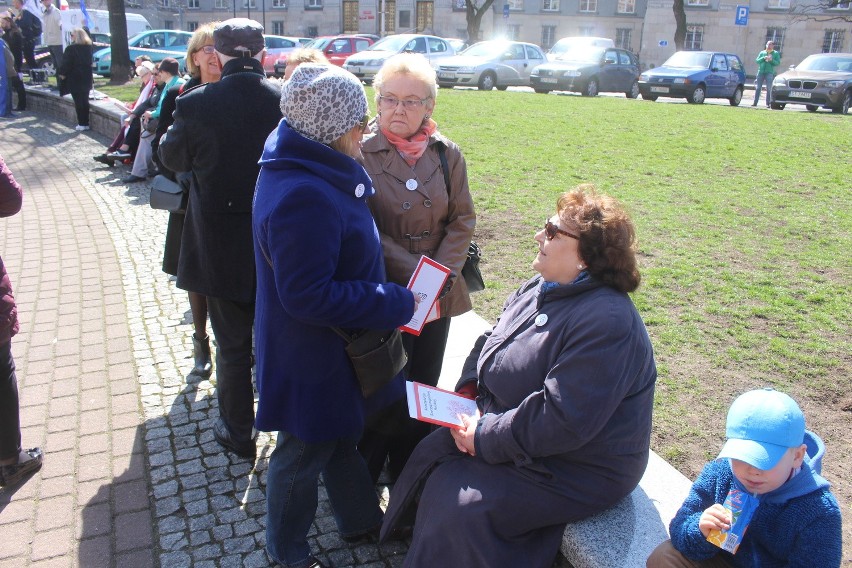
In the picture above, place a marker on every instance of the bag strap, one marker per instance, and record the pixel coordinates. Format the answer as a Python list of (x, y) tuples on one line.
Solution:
[(442, 154), (346, 337)]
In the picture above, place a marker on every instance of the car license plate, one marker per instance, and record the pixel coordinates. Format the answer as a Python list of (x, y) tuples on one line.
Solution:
[(800, 94), (548, 80), (659, 89), (446, 75)]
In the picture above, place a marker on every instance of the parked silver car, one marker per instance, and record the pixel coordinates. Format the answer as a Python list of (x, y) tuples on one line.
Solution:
[(821, 80), (490, 64), (365, 64)]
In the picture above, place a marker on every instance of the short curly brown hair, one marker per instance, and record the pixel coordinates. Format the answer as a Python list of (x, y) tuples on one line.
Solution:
[(607, 236)]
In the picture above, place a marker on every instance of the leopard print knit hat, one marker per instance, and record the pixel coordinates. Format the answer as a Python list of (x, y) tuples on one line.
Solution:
[(323, 102)]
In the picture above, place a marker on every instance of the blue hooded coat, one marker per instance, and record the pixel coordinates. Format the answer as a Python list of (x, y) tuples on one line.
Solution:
[(319, 264)]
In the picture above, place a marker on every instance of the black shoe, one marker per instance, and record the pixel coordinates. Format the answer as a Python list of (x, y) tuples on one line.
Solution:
[(132, 179), (369, 537), (29, 461), (201, 354), (20, 109), (104, 159), (243, 448)]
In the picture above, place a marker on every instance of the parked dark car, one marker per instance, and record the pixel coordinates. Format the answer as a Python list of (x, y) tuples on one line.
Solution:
[(821, 80), (695, 76), (589, 70)]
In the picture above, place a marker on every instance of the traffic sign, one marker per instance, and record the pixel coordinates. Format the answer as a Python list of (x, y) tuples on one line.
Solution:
[(742, 16)]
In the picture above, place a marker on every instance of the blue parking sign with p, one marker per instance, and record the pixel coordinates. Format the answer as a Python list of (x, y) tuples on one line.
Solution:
[(742, 16)]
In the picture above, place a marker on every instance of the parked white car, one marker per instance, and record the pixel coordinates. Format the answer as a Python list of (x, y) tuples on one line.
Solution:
[(490, 64), (365, 64)]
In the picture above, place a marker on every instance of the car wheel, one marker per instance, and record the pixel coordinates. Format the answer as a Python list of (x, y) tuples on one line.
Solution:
[(811, 108), (844, 106), (48, 67), (502, 87), (542, 91), (697, 96), (651, 98), (634, 91), (738, 96), (778, 106), (487, 81), (591, 89)]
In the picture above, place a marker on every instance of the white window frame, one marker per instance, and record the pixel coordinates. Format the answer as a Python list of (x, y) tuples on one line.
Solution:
[(833, 41), (250, 4), (776, 35), (548, 36), (619, 40), (222, 4), (589, 6), (626, 7), (697, 2), (778, 5), (693, 31), (277, 27), (313, 4), (550, 5), (279, 5), (516, 5), (193, 5)]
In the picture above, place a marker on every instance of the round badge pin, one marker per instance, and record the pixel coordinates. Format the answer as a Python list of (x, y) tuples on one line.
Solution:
[(359, 190), (541, 319), (411, 184)]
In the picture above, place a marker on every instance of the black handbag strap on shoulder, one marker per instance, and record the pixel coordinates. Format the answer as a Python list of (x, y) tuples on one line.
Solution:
[(442, 155)]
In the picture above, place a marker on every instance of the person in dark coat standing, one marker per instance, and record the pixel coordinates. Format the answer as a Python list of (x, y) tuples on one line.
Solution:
[(307, 284), (15, 463), (218, 134), (13, 38), (564, 385), (76, 75), (29, 22)]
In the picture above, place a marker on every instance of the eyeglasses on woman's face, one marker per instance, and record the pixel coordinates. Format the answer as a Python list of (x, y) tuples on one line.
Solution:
[(388, 103), (551, 230), (208, 49)]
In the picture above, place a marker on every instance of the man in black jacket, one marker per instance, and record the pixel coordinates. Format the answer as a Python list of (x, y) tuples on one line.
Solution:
[(218, 134)]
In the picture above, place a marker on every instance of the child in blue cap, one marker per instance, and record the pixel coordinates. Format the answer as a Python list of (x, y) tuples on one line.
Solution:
[(766, 460)]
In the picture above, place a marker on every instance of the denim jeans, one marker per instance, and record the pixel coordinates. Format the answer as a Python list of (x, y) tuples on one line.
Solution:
[(759, 81), (291, 494)]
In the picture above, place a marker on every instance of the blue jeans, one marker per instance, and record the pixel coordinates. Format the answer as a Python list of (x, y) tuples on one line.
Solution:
[(759, 81), (291, 494)]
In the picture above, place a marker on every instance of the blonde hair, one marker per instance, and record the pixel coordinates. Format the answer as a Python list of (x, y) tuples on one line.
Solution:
[(81, 37), (347, 144), (200, 37), (412, 64), (306, 55)]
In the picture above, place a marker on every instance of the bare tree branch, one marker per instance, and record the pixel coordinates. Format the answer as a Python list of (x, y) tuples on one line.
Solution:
[(474, 16)]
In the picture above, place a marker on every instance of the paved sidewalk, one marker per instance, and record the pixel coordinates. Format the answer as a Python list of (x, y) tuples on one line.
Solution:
[(132, 475)]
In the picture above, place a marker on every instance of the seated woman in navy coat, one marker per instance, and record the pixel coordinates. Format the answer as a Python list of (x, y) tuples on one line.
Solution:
[(564, 384)]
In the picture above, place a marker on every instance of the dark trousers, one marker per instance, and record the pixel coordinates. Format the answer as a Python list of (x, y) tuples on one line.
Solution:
[(391, 434), (10, 425), (56, 55), (18, 86), (81, 105), (29, 53), (232, 323)]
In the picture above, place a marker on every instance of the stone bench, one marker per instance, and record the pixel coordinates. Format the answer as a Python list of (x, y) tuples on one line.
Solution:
[(620, 537)]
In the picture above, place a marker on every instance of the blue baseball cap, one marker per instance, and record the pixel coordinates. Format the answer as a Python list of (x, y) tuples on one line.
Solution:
[(762, 425)]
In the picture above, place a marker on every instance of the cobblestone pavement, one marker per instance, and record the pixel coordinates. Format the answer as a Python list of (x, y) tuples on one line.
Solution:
[(132, 474)]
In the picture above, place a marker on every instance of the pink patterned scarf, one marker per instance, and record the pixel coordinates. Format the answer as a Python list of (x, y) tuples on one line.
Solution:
[(413, 147)]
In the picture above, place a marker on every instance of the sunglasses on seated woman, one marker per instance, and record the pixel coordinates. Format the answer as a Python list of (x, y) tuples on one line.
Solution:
[(551, 230)]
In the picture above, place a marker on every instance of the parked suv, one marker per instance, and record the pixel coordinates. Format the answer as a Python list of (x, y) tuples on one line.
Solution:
[(695, 76), (157, 44), (490, 64), (821, 80), (589, 70), (367, 63)]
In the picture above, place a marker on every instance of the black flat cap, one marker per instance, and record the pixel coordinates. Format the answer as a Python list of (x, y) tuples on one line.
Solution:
[(238, 37)]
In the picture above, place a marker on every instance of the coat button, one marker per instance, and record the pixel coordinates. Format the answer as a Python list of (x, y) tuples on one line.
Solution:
[(230, 204), (406, 206), (427, 203)]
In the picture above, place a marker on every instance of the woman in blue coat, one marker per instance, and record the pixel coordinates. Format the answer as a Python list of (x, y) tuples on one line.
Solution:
[(319, 265), (564, 384)]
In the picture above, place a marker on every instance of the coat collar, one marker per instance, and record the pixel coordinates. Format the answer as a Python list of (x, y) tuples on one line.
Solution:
[(377, 145), (242, 65)]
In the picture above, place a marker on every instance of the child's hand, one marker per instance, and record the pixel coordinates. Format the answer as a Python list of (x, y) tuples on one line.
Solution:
[(715, 517)]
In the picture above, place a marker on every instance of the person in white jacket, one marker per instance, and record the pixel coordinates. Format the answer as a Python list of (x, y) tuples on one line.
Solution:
[(51, 23)]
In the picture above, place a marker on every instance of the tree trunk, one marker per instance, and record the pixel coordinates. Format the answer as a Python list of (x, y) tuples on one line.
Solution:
[(474, 19), (120, 67), (680, 23)]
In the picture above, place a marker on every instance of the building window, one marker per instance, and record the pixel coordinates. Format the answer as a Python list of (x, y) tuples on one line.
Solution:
[(699, 2), (278, 27), (776, 36), (191, 26), (548, 37), (550, 5), (832, 42), (588, 5), (313, 4), (840, 6), (165, 3), (250, 4), (626, 6), (778, 4), (587, 31), (193, 4), (694, 37), (623, 37), (404, 19), (515, 4), (168, 25), (513, 31), (281, 4), (222, 4)]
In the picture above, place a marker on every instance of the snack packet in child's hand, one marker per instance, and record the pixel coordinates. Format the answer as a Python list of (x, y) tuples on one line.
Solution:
[(742, 506)]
